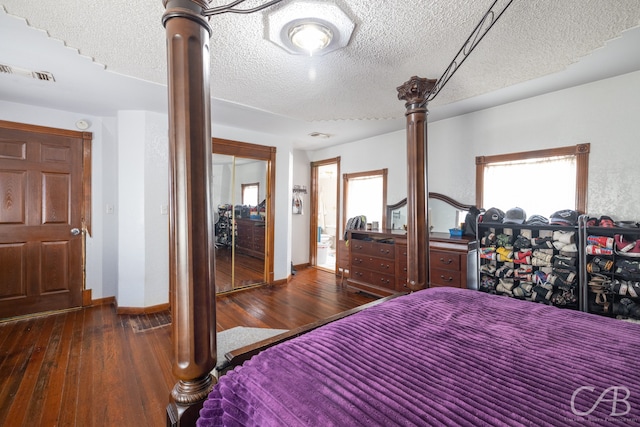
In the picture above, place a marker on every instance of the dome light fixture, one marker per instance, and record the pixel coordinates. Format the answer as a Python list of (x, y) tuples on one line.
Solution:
[(309, 27), (310, 36)]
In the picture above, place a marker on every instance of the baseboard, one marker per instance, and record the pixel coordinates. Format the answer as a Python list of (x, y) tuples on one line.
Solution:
[(143, 310), (301, 266), (282, 281), (104, 301), (86, 298)]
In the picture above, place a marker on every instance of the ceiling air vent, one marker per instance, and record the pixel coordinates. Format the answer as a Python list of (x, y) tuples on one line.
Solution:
[(38, 75), (43, 75)]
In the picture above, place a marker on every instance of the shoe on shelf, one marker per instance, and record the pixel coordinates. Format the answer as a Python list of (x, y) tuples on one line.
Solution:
[(564, 236), (604, 241), (570, 250), (592, 222), (623, 245), (598, 250), (542, 243), (634, 289), (606, 221)]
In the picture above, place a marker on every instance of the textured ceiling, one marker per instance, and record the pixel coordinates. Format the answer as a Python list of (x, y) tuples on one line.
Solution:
[(393, 40)]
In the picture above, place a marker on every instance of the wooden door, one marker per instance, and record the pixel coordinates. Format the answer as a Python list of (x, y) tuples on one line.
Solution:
[(41, 221)]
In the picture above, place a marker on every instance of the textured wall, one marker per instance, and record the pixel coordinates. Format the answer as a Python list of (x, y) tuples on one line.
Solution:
[(604, 114)]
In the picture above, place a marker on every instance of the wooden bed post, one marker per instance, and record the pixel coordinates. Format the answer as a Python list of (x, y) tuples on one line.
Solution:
[(415, 92), (191, 268)]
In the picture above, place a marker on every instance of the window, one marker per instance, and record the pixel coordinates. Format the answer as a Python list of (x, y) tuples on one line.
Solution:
[(250, 194), (365, 193), (540, 182)]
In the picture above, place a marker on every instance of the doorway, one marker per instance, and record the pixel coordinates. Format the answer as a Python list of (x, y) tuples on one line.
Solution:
[(45, 188), (243, 184), (325, 203)]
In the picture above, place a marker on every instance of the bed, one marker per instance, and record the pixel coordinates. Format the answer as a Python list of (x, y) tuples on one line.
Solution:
[(437, 356), (441, 356)]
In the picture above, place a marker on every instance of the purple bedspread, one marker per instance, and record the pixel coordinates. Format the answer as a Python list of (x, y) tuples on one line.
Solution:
[(441, 357)]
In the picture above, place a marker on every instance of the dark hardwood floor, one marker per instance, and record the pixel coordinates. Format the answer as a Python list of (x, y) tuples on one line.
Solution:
[(90, 368)]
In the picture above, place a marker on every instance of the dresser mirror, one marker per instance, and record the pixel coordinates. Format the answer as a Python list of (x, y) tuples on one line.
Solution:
[(444, 213)]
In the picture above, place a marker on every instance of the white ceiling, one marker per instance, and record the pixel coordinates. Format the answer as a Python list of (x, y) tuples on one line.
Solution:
[(110, 56)]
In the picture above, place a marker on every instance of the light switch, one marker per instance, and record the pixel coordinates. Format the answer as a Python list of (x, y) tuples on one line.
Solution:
[(109, 209), (164, 210)]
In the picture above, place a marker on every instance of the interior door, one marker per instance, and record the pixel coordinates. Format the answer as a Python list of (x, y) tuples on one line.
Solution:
[(41, 204)]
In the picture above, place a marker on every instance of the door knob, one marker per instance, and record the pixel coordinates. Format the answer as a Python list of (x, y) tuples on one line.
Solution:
[(75, 231)]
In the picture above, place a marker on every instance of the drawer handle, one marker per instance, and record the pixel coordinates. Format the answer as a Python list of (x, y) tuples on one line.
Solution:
[(447, 262), (357, 261), (446, 280), (385, 281), (384, 251), (384, 266)]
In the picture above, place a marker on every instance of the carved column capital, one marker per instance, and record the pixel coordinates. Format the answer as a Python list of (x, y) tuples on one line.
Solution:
[(415, 90)]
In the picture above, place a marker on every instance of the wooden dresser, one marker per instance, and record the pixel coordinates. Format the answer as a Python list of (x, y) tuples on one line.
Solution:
[(378, 261), (372, 260), (250, 236), (453, 261)]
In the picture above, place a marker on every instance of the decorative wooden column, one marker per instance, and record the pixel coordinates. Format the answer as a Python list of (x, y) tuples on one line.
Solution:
[(191, 269), (414, 92)]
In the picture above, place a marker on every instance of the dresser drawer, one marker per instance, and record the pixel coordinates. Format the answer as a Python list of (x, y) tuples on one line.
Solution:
[(440, 277), (374, 278), (373, 248), (445, 260), (380, 265)]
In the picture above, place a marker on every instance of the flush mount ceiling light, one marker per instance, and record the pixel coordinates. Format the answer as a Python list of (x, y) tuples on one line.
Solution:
[(309, 28), (311, 36)]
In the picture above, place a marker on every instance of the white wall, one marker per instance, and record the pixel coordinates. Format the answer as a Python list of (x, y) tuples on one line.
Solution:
[(131, 209), (127, 252), (605, 114), (300, 224), (384, 151)]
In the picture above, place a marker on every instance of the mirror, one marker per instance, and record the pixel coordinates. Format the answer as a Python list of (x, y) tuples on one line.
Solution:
[(244, 229), (397, 215), (444, 213), (239, 213)]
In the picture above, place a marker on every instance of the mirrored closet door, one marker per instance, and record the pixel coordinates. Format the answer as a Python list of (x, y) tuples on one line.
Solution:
[(242, 214)]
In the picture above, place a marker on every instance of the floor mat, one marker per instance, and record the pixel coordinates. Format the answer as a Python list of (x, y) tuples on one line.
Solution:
[(240, 336)]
